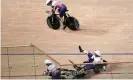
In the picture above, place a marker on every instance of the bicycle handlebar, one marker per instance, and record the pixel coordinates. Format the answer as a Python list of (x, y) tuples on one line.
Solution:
[(49, 12)]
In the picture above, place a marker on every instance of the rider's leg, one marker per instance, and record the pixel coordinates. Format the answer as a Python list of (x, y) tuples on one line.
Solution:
[(56, 75), (88, 67), (60, 14), (62, 11)]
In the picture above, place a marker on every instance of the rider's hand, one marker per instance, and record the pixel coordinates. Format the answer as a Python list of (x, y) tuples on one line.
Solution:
[(45, 73), (47, 11), (53, 11)]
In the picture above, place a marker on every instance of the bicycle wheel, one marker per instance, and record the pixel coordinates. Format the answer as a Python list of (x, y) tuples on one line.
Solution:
[(53, 22), (72, 23)]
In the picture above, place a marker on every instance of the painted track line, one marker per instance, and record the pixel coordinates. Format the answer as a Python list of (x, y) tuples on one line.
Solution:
[(65, 54), (44, 75)]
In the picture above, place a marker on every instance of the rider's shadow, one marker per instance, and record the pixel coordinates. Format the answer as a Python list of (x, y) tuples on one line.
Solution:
[(112, 67), (95, 32)]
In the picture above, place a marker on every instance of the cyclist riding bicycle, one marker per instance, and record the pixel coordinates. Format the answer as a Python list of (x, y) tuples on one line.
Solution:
[(57, 5)]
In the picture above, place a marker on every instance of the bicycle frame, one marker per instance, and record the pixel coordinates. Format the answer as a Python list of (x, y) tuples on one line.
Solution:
[(65, 15), (68, 21)]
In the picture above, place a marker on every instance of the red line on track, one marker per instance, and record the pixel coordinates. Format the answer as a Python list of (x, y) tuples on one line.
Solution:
[(43, 75)]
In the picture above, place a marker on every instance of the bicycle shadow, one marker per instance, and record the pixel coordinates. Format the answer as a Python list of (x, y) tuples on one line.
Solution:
[(109, 70), (113, 67), (95, 32)]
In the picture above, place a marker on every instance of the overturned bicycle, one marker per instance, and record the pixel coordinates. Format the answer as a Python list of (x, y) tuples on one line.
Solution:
[(79, 72)]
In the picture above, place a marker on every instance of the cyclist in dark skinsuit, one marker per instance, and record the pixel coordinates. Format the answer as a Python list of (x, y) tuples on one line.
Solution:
[(57, 5), (94, 57)]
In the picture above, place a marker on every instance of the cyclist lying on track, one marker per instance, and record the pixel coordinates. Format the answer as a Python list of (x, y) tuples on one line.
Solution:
[(52, 70), (94, 57)]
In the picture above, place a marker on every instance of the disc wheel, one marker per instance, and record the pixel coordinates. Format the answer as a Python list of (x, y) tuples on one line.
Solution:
[(53, 22), (72, 23)]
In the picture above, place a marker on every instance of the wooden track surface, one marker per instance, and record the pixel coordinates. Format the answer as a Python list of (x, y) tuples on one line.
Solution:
[(106, 25)]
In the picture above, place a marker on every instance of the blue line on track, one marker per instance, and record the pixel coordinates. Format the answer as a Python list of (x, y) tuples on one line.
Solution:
[(66, 54)]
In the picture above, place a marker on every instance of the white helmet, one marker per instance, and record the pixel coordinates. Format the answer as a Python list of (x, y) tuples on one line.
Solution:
[(97, 52), (47, 62), (54, 3), (48, 1)]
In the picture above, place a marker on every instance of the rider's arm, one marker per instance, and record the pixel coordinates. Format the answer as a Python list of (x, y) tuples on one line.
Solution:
[(90, 56), (88, 53), (85, 51), (54, 9), (46, 72)]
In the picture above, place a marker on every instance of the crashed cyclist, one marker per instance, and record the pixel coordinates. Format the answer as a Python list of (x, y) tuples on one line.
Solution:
[(94, 57), (52, 70)]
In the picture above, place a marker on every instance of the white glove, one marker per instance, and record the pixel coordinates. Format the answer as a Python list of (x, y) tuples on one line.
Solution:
[(86, 52), (44, 73)]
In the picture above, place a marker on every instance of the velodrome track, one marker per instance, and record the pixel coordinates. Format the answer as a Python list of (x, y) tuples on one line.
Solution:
[(106, 25)]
